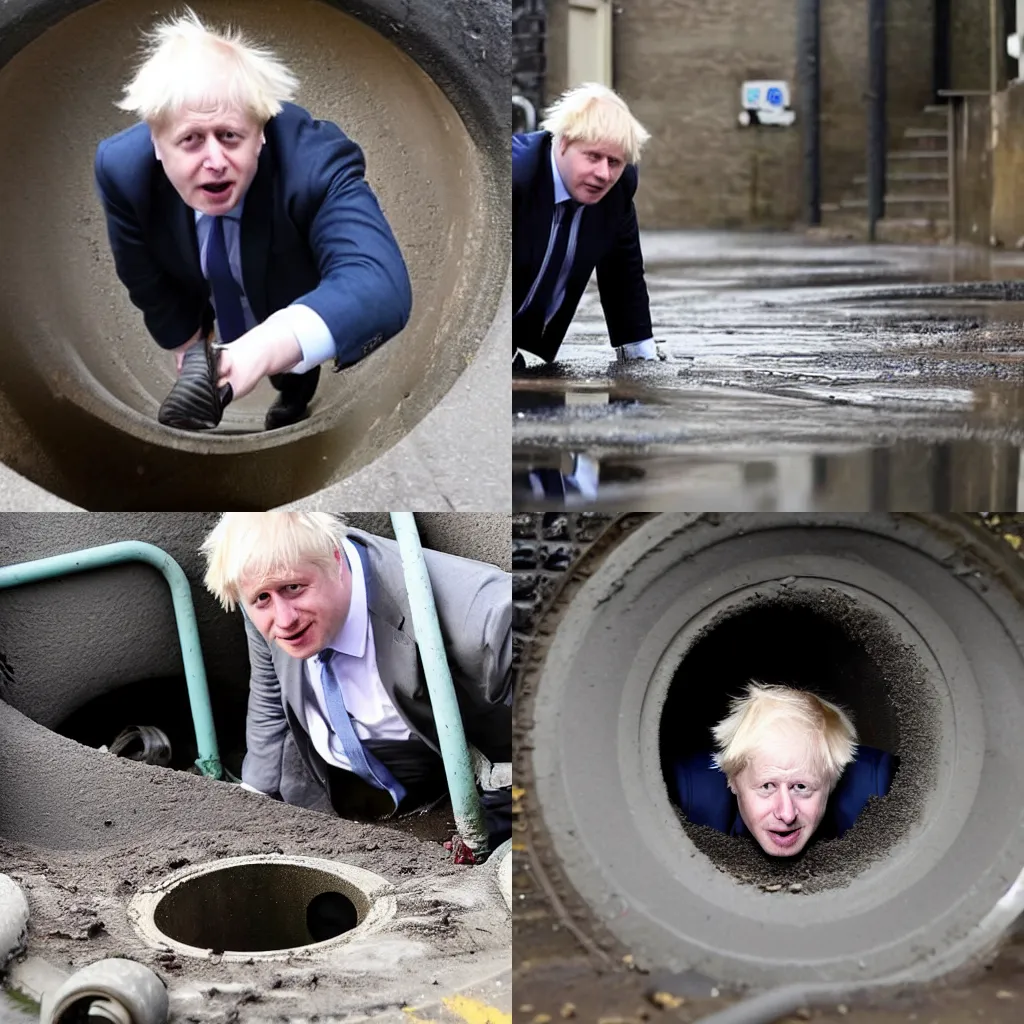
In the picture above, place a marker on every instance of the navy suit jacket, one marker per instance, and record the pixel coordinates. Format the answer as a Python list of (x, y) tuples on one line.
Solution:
[(312, 232), (609, 240), (705, 798)]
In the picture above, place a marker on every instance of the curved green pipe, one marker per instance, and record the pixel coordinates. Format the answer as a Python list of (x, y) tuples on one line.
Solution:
[(458, 766), (208, 761)]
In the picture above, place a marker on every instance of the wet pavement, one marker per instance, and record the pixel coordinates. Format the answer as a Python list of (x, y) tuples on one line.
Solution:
[(799, 375)]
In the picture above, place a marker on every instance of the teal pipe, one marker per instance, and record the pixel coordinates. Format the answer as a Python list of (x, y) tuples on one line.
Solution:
[(458, 766), (208, 761)]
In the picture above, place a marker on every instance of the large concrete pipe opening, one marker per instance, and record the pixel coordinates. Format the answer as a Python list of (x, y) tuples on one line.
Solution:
[(268, 905), (915, 623), (827, 640), (83, 379)]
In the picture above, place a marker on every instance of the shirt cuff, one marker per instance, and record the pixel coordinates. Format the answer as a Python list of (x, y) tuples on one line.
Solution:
[(637, 350), (311, 332)]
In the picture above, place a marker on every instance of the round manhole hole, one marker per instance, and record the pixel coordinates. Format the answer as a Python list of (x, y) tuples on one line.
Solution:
[(914, 622), (263, 907)]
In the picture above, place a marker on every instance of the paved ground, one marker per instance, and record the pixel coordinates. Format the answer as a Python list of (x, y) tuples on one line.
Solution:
[(799, 375)]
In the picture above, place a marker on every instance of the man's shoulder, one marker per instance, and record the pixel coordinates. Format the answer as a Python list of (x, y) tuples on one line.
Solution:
[(526, 153), (296, 128), (125, 154)]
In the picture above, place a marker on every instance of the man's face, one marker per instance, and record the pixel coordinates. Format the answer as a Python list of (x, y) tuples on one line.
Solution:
[(301, 610), (589, 169), (781, 798), (210, 157)]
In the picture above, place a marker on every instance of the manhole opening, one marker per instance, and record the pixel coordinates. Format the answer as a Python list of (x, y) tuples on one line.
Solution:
[(828, 643), (259, 907)]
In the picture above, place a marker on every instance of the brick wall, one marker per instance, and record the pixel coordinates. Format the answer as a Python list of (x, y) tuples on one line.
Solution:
[(679, 64), (528, 50)]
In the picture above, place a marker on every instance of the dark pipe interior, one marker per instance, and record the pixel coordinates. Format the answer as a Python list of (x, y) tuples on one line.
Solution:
[(843, 652), (256, 907)]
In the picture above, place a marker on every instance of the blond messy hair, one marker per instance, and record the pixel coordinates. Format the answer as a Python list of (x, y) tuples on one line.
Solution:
[(188, 66), (764, 708), (246, 548), (592, 113)]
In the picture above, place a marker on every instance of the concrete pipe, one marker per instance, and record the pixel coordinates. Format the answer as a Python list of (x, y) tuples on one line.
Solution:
[(915, 623), (116, 990), (13, 919), (422, 86)]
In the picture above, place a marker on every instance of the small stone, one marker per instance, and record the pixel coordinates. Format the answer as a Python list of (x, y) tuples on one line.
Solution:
[(542, 1018), (787, 581), (773, 888), (666, 1001), (842, 1009), (1005, 993), (803, 1013), (1013, 540), (796, 887), (526, 1008), (567, 1011)]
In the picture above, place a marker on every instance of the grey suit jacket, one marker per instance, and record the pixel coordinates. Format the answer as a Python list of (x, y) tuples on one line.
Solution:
[(474, 605)]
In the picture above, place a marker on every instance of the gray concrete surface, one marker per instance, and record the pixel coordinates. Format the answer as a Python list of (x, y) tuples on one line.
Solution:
[(422, 87), (82, 831), (800, 375)]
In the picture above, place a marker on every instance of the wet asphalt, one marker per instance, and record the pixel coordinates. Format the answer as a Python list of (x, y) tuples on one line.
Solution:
[(798, 375)]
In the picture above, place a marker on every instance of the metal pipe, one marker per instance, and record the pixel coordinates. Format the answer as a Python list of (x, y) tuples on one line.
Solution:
[(458, 766), (528, 109), (809, 78), (208, 761), (877, 128)]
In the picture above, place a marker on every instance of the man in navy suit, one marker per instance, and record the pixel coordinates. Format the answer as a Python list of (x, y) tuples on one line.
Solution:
[(786, 768), (573, 184), (229, 203)]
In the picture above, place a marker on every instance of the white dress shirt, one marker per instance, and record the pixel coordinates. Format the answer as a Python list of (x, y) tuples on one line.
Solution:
[(355, 666), (313, 335)]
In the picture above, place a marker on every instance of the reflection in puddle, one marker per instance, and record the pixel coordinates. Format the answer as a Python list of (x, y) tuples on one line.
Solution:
[(610, 443), (905, 476)]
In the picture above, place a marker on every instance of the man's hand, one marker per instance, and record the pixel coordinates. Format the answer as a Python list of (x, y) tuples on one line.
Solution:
[(268, 348), (179, 352)]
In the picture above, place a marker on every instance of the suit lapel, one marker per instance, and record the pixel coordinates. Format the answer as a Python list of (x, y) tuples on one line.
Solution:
[(256, 236), (395, 649), (183, 230), (544, 207)]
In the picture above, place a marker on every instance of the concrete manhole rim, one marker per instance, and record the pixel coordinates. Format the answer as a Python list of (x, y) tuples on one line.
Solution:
[(598, 584), (366, 886)]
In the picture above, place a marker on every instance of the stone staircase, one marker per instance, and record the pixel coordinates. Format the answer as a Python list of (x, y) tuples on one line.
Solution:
[(917, 187)]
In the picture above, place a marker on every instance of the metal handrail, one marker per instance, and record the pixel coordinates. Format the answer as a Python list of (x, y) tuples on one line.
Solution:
[(528, 109), (57, 566)]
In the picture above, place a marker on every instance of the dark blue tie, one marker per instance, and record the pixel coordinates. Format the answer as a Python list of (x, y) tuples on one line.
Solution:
[(546, 289), (362, 762), (227, 297)]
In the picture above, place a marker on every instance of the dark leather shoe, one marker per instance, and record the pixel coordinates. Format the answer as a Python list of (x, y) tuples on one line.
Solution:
[(284, 412), (195, 403)]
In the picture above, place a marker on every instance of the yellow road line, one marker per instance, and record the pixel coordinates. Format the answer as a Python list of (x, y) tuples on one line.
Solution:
[(474, 1012)]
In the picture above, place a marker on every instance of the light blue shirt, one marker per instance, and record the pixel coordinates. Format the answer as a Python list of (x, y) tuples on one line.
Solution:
[(313, 334)]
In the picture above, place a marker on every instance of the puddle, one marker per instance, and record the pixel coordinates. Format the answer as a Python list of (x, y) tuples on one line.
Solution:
[(788, 365)]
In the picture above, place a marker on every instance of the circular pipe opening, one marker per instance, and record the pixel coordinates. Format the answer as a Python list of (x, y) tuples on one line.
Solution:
[(83, 378), (823, 640), (916, 622), (262, 906)]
